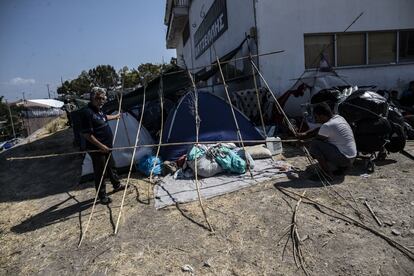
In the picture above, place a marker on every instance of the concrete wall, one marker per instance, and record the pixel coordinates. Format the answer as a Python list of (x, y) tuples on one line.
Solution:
[(282, 24)]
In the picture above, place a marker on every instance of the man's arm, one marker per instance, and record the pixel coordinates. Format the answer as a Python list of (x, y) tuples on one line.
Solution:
[(93, 140), (113, 117), (321, 137), (308, 134)]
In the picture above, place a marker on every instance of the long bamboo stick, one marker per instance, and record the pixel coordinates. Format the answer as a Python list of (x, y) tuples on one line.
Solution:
[(234, 117), (197, 123), (160, 138), (225, 62), (142, 146), (131, 163)]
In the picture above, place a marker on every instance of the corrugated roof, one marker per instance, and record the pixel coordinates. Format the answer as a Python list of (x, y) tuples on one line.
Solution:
[(47, 102)]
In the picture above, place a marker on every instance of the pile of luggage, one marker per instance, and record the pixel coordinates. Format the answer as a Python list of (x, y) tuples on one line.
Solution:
[(377, 125)]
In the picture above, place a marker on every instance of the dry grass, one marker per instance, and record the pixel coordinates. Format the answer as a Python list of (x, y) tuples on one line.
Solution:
[(56, 125), (40, 224)]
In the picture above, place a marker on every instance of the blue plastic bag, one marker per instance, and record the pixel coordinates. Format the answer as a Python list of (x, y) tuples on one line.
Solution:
[(146, 163)]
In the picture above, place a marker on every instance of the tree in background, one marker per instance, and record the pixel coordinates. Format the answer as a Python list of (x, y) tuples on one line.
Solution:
[(64, 88), (79, 86), (6, 130), (82, 84), (104, 76), (129, 78), (149, 71)]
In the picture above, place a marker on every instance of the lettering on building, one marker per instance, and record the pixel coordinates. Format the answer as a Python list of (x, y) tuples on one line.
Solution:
[(212, 27)]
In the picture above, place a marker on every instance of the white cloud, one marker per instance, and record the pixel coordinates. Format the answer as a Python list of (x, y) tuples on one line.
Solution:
[(22, 81)]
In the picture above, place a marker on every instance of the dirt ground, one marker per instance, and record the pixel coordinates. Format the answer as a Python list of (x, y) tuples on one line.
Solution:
[(43, 211)]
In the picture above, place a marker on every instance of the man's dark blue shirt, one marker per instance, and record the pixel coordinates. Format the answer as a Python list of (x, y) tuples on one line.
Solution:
[(95, 122)]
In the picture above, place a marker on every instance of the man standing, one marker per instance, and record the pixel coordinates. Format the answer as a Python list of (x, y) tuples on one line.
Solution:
[(97, 132), (334, 145), (68, 107)]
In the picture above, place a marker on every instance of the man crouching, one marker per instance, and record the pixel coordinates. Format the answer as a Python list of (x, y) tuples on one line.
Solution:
[(333, 144), (98, 134)]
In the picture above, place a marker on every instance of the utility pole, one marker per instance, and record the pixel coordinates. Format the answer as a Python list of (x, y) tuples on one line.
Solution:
[(48, 91), (11, 119)]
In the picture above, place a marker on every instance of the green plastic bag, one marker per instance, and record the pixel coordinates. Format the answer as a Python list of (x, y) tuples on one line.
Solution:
[(230, 161), (195, 152)]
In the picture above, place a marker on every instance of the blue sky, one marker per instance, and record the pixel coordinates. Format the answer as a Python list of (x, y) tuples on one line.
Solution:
[(42, 41)]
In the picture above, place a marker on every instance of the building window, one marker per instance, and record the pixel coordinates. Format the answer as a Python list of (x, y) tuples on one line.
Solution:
[(406, 51), (364, 48), (315, 45), (351, 49), (382, 47)]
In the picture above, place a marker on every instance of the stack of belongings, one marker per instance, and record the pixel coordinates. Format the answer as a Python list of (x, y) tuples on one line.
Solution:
[(213, 159), (377, 126)]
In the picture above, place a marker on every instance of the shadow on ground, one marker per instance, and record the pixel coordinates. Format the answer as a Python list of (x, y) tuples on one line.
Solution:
[(302, 180), (55, 214), (38, 178)]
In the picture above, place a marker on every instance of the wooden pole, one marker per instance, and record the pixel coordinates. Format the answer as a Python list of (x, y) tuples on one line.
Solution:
[(131, 163), (234, 117), (197, 123)]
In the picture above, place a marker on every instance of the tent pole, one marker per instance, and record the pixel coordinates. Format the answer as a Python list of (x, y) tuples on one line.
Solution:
[(197, 123), (132, 163), (225, 62), (258, 98), (161, 88), (274, 97), (234, 117), (140, 146)]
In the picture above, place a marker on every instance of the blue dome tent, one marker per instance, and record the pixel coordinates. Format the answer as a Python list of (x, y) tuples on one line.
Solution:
[(216, 124)]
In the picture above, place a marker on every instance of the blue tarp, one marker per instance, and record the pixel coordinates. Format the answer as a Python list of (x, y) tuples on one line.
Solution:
[(217, 124)]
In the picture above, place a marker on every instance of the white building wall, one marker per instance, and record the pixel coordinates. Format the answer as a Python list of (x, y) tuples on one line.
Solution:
[(282, 25), (240, 16)]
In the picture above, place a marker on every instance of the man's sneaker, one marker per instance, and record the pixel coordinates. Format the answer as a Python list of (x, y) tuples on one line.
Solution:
[(118, 187), (105, 200)]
